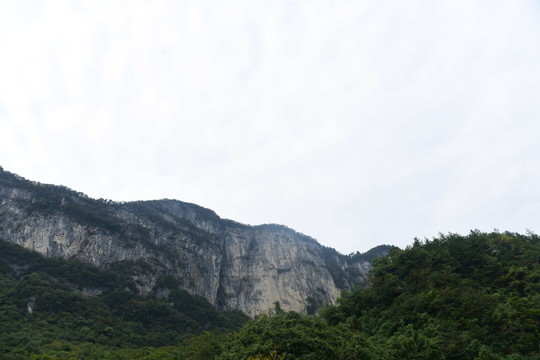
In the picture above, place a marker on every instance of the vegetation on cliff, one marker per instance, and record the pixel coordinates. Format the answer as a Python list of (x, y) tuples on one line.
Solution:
[(147, 239), (43, 307), (453, 297)]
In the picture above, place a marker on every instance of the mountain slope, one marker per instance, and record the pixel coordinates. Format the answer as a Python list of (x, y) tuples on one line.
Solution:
[(452, 297), (234, 266), (44, 300)]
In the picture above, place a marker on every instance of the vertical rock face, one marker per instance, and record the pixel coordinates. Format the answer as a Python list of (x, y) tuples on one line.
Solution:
[(270, 263), (234, 266)]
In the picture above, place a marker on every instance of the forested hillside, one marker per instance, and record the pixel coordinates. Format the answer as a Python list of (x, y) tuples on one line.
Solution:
[(234, 266), (44, 306), (453, 297)]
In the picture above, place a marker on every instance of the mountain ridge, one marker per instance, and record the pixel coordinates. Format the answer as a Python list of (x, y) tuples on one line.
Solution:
[(233, 265)]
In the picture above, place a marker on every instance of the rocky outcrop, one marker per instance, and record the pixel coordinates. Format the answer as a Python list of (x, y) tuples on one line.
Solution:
[(234, 266)]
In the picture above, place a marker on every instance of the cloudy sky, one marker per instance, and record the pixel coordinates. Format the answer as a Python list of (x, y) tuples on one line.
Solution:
[(355, 122)]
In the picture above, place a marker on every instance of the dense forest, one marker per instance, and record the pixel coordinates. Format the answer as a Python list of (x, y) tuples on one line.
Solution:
[(45, 308), (452, 297)]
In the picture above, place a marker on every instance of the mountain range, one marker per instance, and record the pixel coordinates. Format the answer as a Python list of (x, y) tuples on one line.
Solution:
[(166, 244)]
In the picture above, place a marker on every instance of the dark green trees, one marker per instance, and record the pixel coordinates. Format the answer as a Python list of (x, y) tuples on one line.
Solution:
[(453, 297)]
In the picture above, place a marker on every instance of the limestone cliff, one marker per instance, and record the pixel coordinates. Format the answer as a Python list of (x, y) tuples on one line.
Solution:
[(235, 266)]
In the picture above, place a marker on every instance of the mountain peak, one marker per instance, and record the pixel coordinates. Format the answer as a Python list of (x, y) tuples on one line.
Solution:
[(233, 265)]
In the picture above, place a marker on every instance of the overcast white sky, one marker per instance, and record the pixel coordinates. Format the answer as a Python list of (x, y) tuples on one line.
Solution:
[(358, 123)]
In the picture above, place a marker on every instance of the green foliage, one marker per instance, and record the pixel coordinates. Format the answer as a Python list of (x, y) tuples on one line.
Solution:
[(351, 278), (272, 356), (295, 336), (454, 297), (51, 199), (17, 261), (62, 321), (45, 199)]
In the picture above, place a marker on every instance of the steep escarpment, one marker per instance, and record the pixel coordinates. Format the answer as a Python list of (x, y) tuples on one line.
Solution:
[(234, 266)]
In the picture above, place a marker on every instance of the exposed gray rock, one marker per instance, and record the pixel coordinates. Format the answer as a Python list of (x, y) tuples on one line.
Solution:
[(234, 266)]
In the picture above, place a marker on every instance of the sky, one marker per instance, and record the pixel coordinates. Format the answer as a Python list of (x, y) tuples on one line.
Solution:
[(358, 123)]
